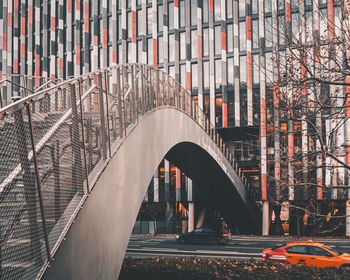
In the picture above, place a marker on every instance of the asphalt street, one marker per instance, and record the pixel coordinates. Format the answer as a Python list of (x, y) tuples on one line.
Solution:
[(239, 247)]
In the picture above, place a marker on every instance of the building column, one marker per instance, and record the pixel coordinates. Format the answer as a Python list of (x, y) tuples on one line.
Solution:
[(169, 217), (191, 209), (266, 219), (190, 216)]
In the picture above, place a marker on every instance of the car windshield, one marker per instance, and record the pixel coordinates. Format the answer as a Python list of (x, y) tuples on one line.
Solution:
[(332, 250)]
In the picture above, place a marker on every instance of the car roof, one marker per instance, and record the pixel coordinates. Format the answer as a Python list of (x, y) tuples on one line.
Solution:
[(308, 242)]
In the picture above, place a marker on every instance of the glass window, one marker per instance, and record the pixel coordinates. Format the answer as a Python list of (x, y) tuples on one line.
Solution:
[(323, 23), (217, 10), (242, 36), (183, 75), (230, 67), (295, 4), (217, 40), (205, 42), (160, 18), (182, 45), (129, 25), (149, 20), (182, 14), (281, 4), (268, 32), (282, 30), (206, 74), (139, 50), (110, 29), (120, 53), (298, 249), (172, 71), (119, 27), (160, 49), (193, 12), (139, 22), (318, 251), (171, 48), (267, 6), (194, 76), (218, 76), (269, 68), (171, 15), (205, 11), (194, 41), (295, 25), (229, 38), (308, 23), (229, 8), (130, 58), (254, 7), (255, 33), (243, 69), (256, 73), (150, 51), (241, 8)]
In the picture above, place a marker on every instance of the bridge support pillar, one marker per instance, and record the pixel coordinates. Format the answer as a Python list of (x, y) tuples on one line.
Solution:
[(190, 216), (347, 219), (265, 218)]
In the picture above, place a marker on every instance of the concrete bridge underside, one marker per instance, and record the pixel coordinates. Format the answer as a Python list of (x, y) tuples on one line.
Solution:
[(95, 245)]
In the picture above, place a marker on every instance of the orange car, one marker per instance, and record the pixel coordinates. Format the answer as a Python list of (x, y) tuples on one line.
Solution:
[(309, 253)]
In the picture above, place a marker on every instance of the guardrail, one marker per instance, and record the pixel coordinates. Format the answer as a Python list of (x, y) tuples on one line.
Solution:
[(56, 142)]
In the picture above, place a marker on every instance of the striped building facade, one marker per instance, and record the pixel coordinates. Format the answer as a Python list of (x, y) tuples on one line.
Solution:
[(225, 52)]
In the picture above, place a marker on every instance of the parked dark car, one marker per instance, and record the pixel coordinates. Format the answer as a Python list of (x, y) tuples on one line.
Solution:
[(203, 235)]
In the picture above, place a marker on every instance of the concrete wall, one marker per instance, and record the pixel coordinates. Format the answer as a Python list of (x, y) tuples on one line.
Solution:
[(96, 243)]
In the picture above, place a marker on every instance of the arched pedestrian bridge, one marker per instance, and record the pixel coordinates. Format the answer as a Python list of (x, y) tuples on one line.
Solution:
[(77, 158)]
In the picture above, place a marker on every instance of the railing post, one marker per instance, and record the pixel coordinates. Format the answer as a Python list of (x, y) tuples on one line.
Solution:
[(55, 154), (108, 134), (133, 92), (75, 140), (124, 79), (29, 184), (83, 137), (38, 182), (120, 107), (102, 118)]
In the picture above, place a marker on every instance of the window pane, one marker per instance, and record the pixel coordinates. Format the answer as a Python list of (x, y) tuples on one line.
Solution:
[(182, 45), (242, 36), (171, 48), (243, 68), (129, 25), (193, 12), (172, 71), (171, 15), (281, 4), (295, 25), (229, 8), (268, 32), (139, 50), (130, 58), (255, 34), (269, 68), (182, 13), (230, 77), (218, 77), (150, 51), (205, 11), (217, 10), (194, 75), (254, 6), (183, 75), (256, 76), (217, 39), (282, 30), (230, 38), (160, 18), (160, 49), (194, 51), (149, 20), (139, 22), (205, 42), (267, 6), (241, 8), (206, 74)]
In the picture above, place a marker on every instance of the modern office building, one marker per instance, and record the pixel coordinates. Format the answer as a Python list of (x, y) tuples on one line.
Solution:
[(228, 54)]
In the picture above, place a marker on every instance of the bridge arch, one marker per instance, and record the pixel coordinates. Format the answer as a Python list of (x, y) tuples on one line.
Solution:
[(86, 150), (96, 243)]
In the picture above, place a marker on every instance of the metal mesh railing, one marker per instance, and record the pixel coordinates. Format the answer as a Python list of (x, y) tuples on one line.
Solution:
[(54, 145)]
